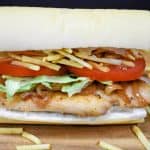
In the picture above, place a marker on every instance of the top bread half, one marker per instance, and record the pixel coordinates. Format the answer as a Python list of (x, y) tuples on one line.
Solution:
[(31, 28)]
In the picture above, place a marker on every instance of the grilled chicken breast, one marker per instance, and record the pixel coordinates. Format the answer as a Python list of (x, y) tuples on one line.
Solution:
[(94, 100)]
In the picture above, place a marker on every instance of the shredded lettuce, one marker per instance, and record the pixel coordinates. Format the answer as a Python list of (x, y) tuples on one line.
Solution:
[(70, 85), (2, 88), (74, 87), (46, 84), (11, 87)]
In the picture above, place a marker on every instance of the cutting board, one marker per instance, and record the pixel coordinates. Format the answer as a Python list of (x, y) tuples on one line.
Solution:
[(77, 137)]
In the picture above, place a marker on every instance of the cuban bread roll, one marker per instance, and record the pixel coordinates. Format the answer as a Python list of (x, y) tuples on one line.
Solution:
[(29, 28)]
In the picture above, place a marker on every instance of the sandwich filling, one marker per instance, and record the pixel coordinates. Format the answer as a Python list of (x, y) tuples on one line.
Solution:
[(80, 81)]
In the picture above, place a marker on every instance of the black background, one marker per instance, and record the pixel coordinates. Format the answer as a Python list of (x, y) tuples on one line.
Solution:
[(121, 4)]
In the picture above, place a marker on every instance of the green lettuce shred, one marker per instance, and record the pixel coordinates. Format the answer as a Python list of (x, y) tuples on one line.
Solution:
[(11, 87), (75, 87), (2, 88), (70, 85)]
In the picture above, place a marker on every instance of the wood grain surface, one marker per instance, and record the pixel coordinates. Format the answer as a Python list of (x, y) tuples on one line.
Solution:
[(77, 137)]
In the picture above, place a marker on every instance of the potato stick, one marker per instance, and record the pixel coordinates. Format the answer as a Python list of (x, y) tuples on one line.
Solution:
[(34, 147), (69, 63), (52, 57), (106, 60), (128, 63), (40, 62), (26, 65), (31, 137), (141, 137), (80, 61), (131, 57), (147, 68), (148, 109), (102, 60), (14, 56), (11, 130), (69, 50), (107, 146)]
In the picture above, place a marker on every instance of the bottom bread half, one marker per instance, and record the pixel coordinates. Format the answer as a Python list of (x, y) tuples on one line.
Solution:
[(115, 115)]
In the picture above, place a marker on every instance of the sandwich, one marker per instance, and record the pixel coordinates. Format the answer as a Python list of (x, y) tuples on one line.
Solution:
[(74, 66)]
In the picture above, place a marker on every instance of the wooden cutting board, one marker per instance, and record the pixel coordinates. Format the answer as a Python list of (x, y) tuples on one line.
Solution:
[(77, 137)]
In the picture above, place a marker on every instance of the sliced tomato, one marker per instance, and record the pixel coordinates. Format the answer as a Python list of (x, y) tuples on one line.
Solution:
[(8, 69), (116, 73)]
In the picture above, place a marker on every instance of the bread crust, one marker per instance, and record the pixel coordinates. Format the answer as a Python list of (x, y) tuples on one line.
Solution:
[(114, 116), (31, 28)]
